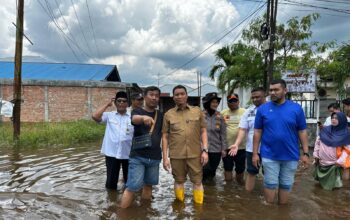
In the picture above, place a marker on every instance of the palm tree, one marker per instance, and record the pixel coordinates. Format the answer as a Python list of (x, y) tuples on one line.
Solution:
[(238, 65), (224, 55)]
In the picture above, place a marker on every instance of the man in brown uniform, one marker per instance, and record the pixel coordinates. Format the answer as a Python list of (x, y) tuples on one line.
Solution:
[(185, 135)]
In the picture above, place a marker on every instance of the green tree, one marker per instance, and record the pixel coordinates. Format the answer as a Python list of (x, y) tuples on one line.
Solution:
[(239, 65), (336, 68), (293, 48)]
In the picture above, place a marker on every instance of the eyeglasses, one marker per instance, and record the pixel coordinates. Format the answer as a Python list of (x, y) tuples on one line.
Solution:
[(122, 100), (232, 101)]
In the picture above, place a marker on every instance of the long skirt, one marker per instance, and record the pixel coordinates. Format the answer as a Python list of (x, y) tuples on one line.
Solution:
[(329, 177)]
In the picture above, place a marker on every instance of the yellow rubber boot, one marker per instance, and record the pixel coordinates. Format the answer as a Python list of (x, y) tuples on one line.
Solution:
[(198, 196), (180, 194)]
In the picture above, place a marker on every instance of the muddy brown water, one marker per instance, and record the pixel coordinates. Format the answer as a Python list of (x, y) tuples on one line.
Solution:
[(68, 183)]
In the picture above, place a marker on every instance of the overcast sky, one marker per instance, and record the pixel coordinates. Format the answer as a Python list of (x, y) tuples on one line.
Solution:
[(145, 38)]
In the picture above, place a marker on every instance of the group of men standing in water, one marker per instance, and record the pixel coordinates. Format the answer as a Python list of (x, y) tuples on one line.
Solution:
[(194, 141)]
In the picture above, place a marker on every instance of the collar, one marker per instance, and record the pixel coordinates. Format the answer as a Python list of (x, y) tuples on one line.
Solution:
[(178, 109), (126, 113)]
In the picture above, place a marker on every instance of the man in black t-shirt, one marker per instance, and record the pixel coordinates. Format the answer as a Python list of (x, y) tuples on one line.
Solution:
[(144, 163)]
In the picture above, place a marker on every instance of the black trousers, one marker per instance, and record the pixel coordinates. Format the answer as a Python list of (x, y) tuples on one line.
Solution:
[(238, 161), (113, 168), (209, 170)]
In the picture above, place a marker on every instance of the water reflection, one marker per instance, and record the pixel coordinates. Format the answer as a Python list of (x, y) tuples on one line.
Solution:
[(54, 183)]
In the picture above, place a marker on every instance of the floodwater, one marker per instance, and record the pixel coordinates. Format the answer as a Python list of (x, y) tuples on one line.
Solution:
[(68, 183)]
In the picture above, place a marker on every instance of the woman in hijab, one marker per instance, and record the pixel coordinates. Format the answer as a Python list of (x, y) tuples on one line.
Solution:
[(333, 140), (216, 128)]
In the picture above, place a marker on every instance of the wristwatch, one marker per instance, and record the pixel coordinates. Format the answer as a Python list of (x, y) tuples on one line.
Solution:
[(306, 154), (204, 149)]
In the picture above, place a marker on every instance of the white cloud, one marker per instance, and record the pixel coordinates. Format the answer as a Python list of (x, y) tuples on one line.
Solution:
[(143, 38), (180, 28)]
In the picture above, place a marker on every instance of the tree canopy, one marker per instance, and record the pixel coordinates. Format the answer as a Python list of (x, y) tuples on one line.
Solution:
[(336, 68), (242, 65)]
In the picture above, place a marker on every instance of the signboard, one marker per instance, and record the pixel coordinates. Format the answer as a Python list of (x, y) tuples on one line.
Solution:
[(304, 81), (6, 108)]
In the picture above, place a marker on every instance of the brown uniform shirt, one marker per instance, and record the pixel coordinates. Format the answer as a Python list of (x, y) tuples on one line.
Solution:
[(184, 131)]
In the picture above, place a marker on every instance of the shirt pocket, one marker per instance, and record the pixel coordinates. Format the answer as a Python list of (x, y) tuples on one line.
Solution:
[(193, 123), (175, 126), (114, 122)]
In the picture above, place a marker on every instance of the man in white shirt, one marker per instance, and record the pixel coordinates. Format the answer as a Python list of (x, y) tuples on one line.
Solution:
[(333, 107), (246, 126), (117, 139)]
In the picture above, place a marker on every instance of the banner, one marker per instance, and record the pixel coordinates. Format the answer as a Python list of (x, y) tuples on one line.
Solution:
[(304, 81), (6, 108)]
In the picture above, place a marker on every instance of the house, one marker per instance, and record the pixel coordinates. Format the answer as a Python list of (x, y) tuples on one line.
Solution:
[(62, 91)]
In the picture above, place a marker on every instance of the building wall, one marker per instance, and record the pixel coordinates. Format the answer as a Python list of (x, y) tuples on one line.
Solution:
[(63, 101)]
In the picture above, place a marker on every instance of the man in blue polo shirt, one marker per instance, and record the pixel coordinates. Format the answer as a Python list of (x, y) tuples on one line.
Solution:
[(279, 124)]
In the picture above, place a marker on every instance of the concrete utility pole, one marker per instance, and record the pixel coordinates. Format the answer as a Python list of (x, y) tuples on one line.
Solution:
[(18, 72), (268, 31)]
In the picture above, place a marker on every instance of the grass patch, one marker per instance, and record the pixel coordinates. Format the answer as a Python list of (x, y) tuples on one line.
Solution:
[(53, 133)]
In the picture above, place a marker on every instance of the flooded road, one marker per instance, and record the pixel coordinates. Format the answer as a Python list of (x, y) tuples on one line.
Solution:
[(68, 183)]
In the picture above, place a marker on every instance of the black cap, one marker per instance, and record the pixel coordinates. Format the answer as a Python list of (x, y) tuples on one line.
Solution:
[(346, 101), (121, 94), (210, 96)]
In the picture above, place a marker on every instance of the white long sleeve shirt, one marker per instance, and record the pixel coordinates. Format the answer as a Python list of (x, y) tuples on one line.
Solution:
[(118, 135)]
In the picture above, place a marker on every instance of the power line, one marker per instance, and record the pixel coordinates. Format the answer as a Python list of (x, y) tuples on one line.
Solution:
[(226, 29), (51, 15), (323, 13), (92, 28), (81, 29), (235, 37), (65, 22), (210, 46), (314, 6), (247, 23), (287, 2), (54, 21), (337, 2), (53, 18)]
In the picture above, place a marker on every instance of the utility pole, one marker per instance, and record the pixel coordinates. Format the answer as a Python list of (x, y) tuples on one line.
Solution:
[(18, 72), (198, 84), (265, 35), (200, 89), (273, 17), (267, 32)]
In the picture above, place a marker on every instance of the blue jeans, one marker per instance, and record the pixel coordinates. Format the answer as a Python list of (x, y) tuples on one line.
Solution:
[(279, 173), (142, 171), (251, 169)]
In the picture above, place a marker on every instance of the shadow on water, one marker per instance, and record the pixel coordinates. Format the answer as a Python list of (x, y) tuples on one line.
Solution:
[(68, 183)]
